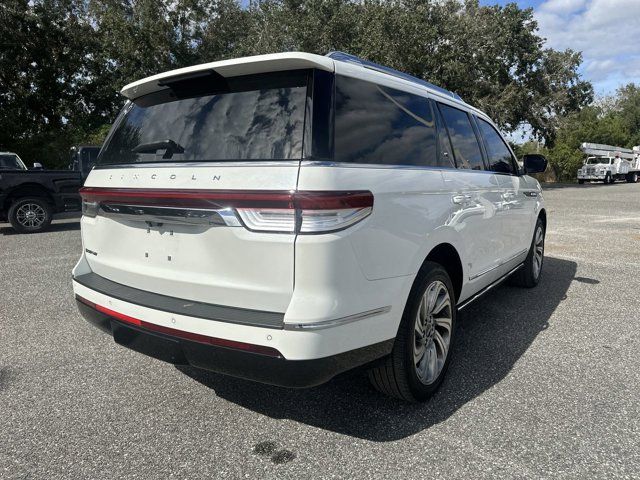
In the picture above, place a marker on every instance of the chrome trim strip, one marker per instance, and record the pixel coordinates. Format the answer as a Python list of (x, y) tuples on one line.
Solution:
[(330, 163), (172, 215), (337, 321), (488, 287), (491, 269), (202, 164)]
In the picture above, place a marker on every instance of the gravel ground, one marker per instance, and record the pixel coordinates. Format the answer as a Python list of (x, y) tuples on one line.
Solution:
[(544, 383)]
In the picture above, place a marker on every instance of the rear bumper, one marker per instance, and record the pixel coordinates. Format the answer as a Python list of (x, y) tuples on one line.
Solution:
[(274, 370)]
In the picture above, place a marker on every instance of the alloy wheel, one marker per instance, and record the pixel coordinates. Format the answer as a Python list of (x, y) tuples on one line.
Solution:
[(31, 215), (432, 335), (538, 252)]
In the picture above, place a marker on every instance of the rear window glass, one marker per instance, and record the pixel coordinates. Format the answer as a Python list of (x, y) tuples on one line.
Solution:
[(10, 162), (381, 125), (463, 138), (258, 117)]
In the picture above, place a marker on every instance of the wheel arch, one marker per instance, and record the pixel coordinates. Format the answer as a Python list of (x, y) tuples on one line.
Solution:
[(543, 216), (447, 256), (27, 190)]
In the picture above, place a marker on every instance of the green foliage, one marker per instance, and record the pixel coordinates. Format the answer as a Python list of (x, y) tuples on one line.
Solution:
[(63, 62), (627, 110), (613, 121)]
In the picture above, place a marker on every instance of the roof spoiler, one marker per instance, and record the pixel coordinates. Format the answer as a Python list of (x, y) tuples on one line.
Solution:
[(275, 62)]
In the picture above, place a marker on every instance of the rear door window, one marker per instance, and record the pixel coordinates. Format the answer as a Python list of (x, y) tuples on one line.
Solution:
[(466, 148), (256, 117), (375, 124), (499, 155)]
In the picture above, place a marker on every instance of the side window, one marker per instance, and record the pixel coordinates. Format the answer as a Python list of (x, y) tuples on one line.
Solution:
[(500, 158), (445, 154), (380, 125), (463, 138)]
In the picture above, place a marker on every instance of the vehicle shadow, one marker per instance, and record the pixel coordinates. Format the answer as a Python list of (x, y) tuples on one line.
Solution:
[(493, 334), (54, 227)]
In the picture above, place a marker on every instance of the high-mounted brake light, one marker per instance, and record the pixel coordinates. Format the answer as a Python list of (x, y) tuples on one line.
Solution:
[(304, 212)]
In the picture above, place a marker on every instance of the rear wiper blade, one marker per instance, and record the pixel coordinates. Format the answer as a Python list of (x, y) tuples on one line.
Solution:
[(168, 145)]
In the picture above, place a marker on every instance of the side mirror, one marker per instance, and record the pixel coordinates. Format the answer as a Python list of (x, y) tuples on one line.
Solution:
[(38, 166), (534, 163)]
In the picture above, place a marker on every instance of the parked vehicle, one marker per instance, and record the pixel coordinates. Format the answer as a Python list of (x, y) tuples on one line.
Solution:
[(11, 161), (284, 218), (30, 198), (83, 158), (607, 163)]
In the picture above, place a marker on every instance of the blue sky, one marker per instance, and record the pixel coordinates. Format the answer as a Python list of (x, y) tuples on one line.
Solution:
[(607, 32)]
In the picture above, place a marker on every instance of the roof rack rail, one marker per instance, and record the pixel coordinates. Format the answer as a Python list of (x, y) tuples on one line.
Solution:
[(346, 57)]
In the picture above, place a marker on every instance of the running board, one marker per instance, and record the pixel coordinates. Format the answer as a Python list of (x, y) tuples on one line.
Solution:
[(488, 287)]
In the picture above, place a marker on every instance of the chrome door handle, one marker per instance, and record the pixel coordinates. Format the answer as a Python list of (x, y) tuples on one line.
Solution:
[(460, 198)]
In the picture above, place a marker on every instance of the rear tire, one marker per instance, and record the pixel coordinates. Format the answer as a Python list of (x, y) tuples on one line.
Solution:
[(607, 179), (417, 365), (581, 182), (529, 274), (30, 214), (632, 178)]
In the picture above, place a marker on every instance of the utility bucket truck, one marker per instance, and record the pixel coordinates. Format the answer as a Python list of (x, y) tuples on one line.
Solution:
[(607, 163)]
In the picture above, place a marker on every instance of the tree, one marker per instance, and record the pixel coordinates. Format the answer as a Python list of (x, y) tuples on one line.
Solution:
[(627, 107), (611, 121), (41, 68), (491, 56), (63, 62)]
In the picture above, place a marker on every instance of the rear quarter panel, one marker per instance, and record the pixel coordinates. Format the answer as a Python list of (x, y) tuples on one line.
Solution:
[(374, 263)]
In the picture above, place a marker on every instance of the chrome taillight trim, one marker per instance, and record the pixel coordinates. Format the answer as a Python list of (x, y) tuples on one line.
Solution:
[(172, 215)]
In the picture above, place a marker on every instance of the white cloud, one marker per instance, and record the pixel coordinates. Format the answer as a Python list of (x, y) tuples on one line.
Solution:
[(563, 6), (606, 31)]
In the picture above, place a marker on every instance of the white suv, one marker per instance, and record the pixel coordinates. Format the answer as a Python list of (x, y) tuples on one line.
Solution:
[(288, 217)]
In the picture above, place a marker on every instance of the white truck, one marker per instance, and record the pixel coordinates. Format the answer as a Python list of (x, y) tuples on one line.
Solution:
[(607, 163)]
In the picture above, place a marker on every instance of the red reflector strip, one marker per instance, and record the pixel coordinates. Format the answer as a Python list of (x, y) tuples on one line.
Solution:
[(195, 337), (85, 301), (311, 200)]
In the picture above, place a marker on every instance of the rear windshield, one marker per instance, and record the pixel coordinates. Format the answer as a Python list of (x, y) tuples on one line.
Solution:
[(10, 162), (256, 117)]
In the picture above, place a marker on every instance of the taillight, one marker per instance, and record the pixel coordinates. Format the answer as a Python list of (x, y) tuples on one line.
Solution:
[(311, 212), (304, 212), (268, 219), (319, 221), (90, 209)]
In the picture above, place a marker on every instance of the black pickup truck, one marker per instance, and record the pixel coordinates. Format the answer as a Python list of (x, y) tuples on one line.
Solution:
[(30, 198)]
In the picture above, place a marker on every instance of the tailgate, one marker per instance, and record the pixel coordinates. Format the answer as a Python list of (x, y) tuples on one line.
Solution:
[(158, 242)]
